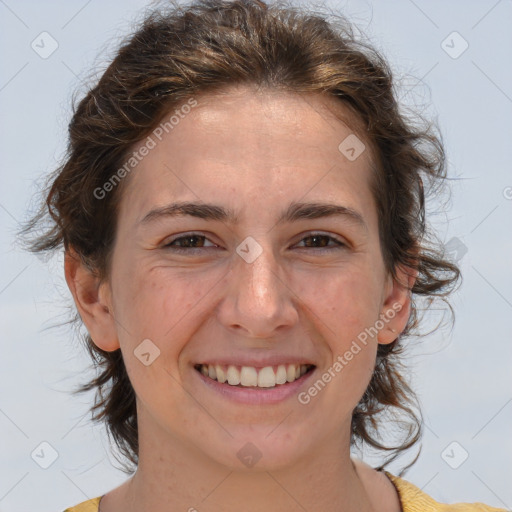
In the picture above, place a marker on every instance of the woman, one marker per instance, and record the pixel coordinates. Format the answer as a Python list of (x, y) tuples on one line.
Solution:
[(242, 214)]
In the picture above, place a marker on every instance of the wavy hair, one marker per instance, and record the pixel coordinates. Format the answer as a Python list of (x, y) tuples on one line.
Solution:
[(182, 51)]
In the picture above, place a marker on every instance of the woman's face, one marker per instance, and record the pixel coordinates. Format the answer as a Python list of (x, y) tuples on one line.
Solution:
[(277, 284)]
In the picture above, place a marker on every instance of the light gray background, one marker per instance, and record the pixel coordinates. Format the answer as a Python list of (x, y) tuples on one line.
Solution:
[(462, 376)]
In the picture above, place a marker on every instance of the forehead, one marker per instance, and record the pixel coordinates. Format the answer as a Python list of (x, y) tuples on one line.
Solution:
[(270, 145)]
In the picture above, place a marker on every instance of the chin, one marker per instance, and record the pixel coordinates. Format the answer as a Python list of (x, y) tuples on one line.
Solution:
[(257, 448)]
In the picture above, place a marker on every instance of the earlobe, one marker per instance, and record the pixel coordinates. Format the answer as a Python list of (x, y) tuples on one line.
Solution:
[(397, 305), (91, 300)]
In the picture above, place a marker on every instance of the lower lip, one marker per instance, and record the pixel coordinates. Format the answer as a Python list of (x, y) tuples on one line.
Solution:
[(255, 395)]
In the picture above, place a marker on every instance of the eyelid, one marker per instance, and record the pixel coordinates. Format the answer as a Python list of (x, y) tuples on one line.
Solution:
[(338, 243), (179, 236), (334, 238)]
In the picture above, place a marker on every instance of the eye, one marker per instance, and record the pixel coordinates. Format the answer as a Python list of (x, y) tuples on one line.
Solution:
[(320, 241), (187, 242), (195, 241)]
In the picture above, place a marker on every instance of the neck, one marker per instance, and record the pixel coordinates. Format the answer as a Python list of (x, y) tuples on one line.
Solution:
[(170, 473)]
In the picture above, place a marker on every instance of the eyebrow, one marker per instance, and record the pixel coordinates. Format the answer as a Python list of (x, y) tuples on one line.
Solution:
[(294, 212)]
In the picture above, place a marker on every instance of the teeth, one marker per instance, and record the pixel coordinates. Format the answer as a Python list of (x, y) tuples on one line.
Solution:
[(290, 373), (248, 376), (221, 376), (233, 376), (281, 374), (266, 377)]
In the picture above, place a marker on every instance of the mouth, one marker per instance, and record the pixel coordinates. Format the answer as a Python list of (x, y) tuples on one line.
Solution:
[(250, 377)]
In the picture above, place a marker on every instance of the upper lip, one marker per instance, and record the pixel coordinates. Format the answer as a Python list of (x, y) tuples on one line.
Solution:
[(256, 362)]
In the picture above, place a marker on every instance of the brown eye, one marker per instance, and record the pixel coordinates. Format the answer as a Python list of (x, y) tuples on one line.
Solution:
[(187, 242), (321, 241)]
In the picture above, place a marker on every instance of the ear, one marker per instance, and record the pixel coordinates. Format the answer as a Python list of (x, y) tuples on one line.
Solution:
[(92, 300), (397, 304)]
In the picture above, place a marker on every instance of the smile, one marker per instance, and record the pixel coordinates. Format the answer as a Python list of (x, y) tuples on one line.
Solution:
[(251, 377)]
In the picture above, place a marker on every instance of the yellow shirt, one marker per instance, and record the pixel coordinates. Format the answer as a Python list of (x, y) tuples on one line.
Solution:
[(412, 499)]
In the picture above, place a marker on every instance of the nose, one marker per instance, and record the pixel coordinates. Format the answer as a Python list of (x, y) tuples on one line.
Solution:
[(258, 300)]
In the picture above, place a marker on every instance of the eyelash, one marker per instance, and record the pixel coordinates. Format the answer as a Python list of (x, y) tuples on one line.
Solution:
[(339, 243)]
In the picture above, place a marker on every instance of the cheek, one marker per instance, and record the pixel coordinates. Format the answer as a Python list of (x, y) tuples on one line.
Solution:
[(166, 307), (154, 303), (344, 307), (341, 301), (159, 306)]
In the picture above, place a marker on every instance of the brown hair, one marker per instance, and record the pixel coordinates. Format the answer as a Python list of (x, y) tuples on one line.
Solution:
[(184, 51)]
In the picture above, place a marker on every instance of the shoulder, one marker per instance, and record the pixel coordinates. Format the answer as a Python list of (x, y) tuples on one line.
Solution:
[(414, 499), (86, 506)]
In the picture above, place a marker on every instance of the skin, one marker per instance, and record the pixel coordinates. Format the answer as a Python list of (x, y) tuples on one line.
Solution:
[(253, 152)]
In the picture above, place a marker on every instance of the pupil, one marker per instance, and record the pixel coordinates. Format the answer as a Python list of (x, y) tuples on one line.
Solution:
[(316, 238)]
